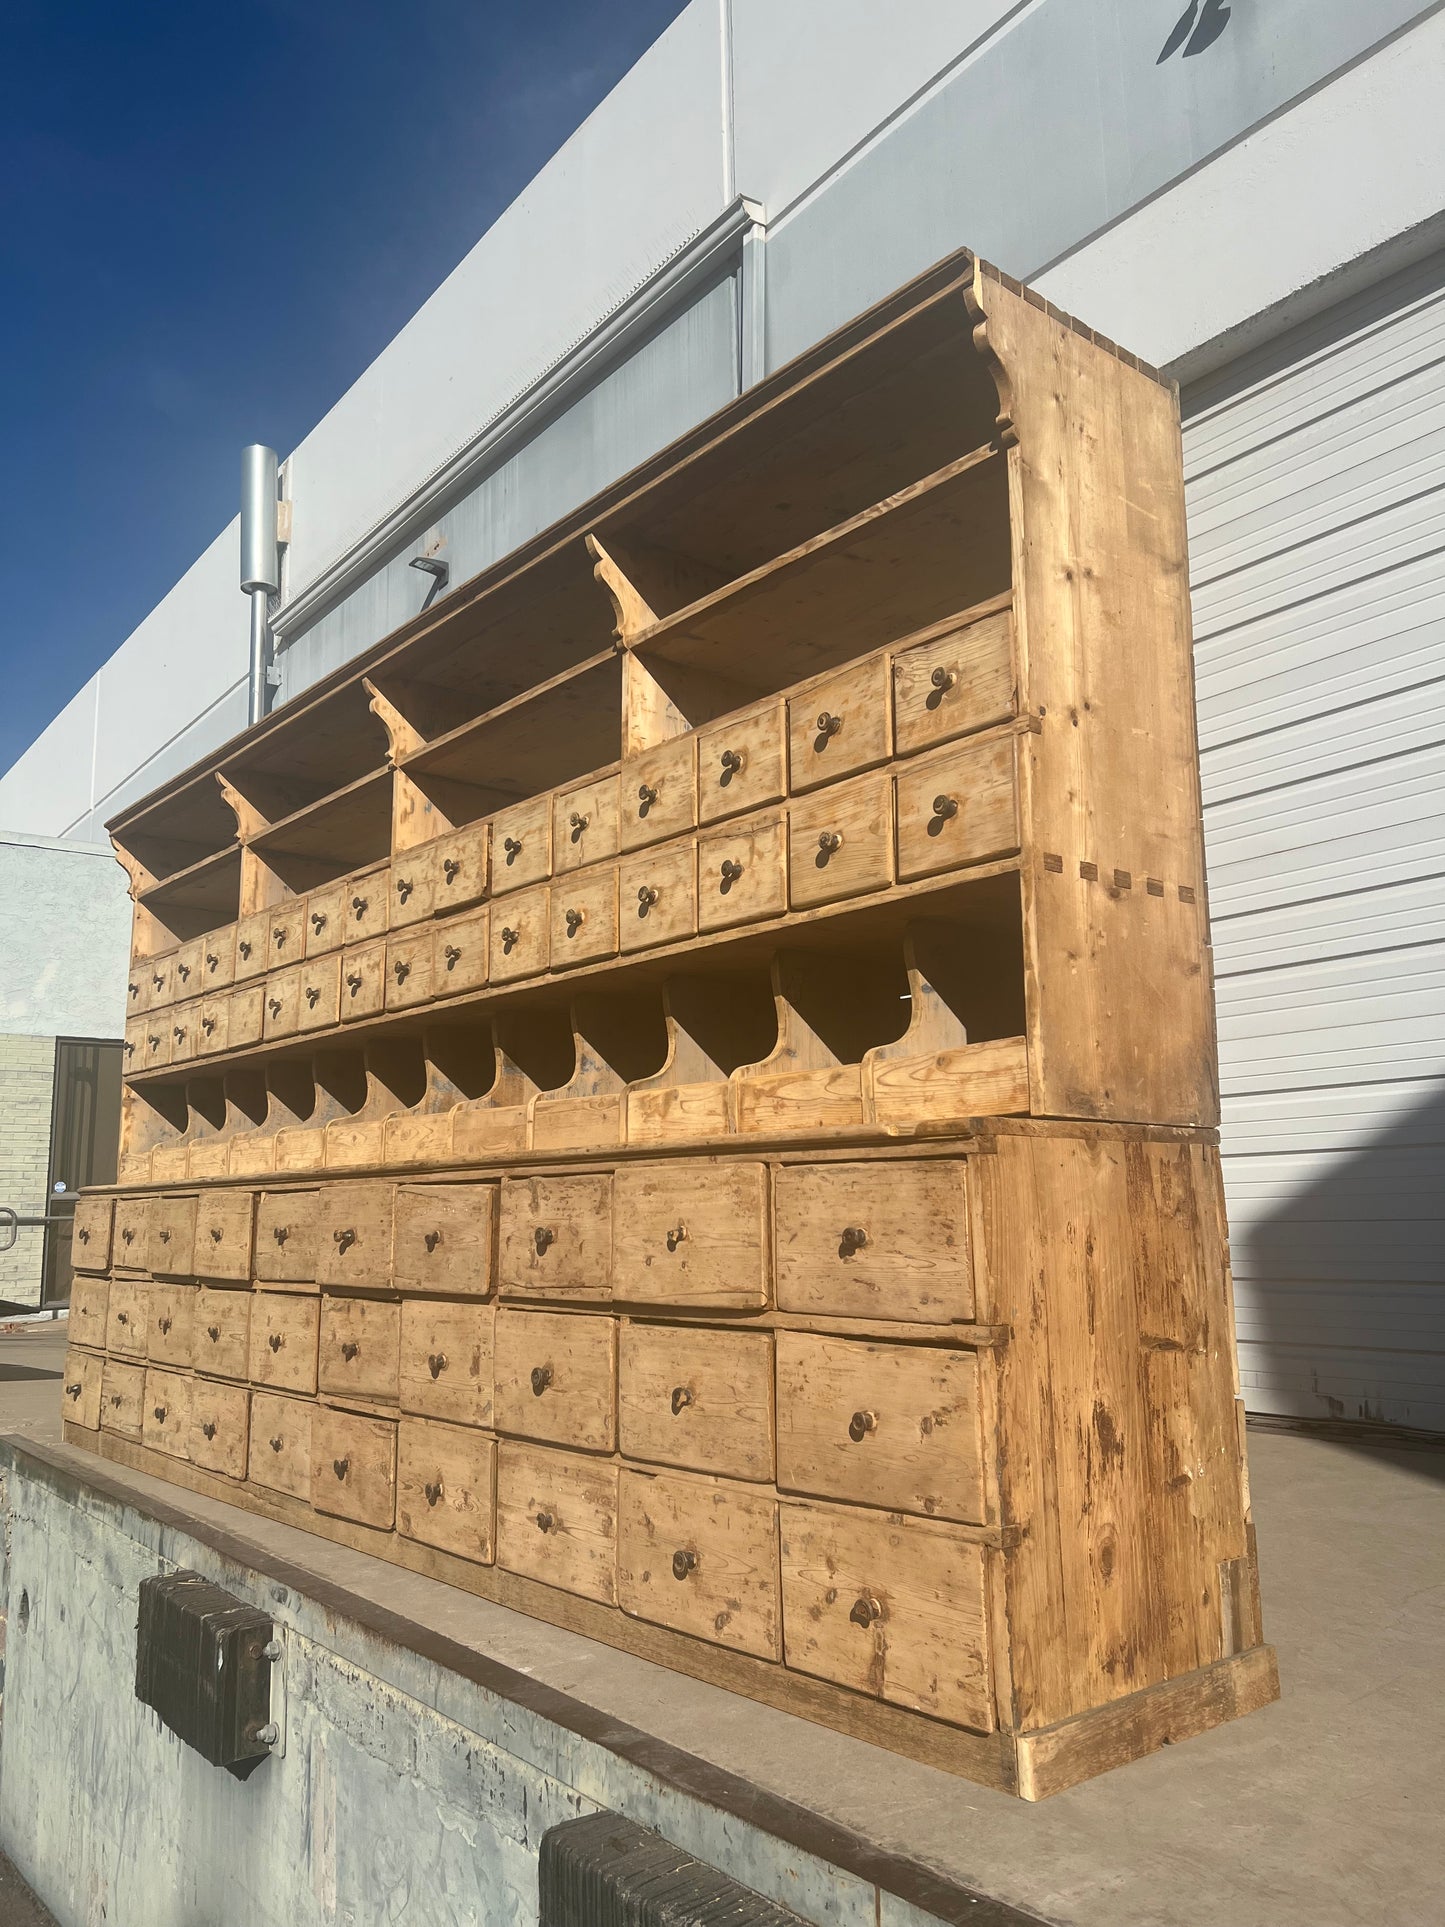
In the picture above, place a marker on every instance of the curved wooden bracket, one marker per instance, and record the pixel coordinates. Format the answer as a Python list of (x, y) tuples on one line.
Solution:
[(402, 737), (631, 612), (140, 877), (249, 820), (973, 294)]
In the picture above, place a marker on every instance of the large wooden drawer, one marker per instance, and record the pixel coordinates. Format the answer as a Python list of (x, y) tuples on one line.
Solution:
[(950, 684), (173, 1235), (522, 845), (459, 864), (280, 1452), (122, 1393), (556, 1238), (283, 1341), (80, 1388), (584, 917), (886, 1240), (446, 1480), (740, 762), (132, 1234), (839, 724), (89, 1303), (353, 1235), (459, 954), (893, 1426), (165, 1420), (224, 1221), (221, 1332), (353, 1467), (888, 1606), (657, 897), (220, 1427), (659, 793), (691, 1233), (697, 1398), (128, 1317), (741, 874), (557, 1519), (702, 1557), (360, 1348), (443, 1238), (518, 944), (584, 824), (170, 1324), (286, 1237), (556, 1378), (446, 1359), (90, 1233), (957, 807), (840, 842)]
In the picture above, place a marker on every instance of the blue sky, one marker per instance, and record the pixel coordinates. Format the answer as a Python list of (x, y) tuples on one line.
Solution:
[(151, 323)]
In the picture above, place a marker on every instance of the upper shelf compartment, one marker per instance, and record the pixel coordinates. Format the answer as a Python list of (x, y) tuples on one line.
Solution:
[(179, 830), (308, 752)]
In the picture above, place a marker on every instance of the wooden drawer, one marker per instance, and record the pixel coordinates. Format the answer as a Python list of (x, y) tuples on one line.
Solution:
[(80, 1386), (956, 808), (446, 1483), (840, 842), (185, 1032), (657, 897), (701, 1557), (953, 683), (253, 945), (888, 1606), (165, 1419), (245, 1011), (459, 954), (522, 844), (353, 1235), (90, 1233), (409, 970), (840, 724), (122, 1392), (286, 932), (895, 1426), (133, 1046), (458, 866), (353, 1467), (443, 1238), (319, 1003), (691, 1233), (286, 1236), (156, 1039), (556, 1378), (584, 824), (326, 919), (410, 884), (363, 981), (555, 1238), (557, 1519), (170, 1321), (220, 1427), (224, 1222), (360, 1348), (162, 981), (218, 959), (740, 762), (280, 1448), (138, 987), (131, 1251), (584, 917), (172, 1245), (697, 1398), (89, 1304), (127, 1316), (886, 1240), (741, 875), (222, 1332), (446, 1359), (213, 1024), (186, 971), (659, 793), (283, 1341), (283, 1002), (366, 905), (518, 941)]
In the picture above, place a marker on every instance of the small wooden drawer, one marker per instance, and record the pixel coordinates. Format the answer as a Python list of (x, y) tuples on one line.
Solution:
[(953, 683), (459, 954), (122, 1391), (740, 762), (253, 945), (286, 1237), (363, 981), (213, 1024), (353, 1467), (960, 807), (741, 874), (584, 824), (557, 1519), (218, 959), (888, 1606), (133, 1047), (446, 1488), (221, 1332), (360, 1348), (170, 1322), (318, 1005), (326, 919), (90, 1233), (657, 897), (89, 1304), (459, 865), (691, 1233), (840, 724), (886, 1240), (701, 1557), (80, 1387), (522, 845), (131, 1250), (283, 1341), (446, 1359), (353, 1235), (555, 1239), (283, 1002), (286, 932), (127, 1316), (366, 905), (659, 793), (185, 1032), (409, 970), (518, 942), (138, 987), (280, 1451), (410, 884), (584, 917), (245, 1014), (224, 1221), (156, 1039), (172, 1245), (165, 1419), (696, 1398), (162, 981), (556, 1378), (894, 1426), (840, 842), (187, 975), (220, 1427), (443, 1238)]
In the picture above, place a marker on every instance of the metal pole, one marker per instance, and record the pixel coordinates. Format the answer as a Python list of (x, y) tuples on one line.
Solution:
[(260, 658)]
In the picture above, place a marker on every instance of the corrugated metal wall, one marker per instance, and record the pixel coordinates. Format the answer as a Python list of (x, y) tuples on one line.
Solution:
[(1316, 474)]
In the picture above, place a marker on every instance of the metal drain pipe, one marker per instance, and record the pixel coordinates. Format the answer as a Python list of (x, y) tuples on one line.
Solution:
[(260, 565)]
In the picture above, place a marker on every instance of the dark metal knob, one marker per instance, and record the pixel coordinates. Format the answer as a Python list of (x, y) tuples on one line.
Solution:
[(677, 1236), (122, 1318), (159, 982), (829, 724), (852, 1238), (341, 1466), (134, 989), (681, 1399), (178, 1031), (545, 1522), (209, 1428), (279, 933), (280, 1232), (350, 1349), (575, 921), (865, 1612), (543, 1236), (404, 887), (273, 1004), (164, 1236), (451, 868), (244, 947), (510, 938), (128, 1047), (313, 995), (432, 1239), (829, 841), (646, 797), (860, 1425), (360, 905), (213, 1332), (160, 1413), (83, 1235), (208, 1024), (401, 970), (154, 1041), (216, 1234), (165, 1325), (343, 1240), (318, 920), (433, 1492), (943, 679), (353, 981), (683, 1563), (579, 820), (732, 763), (183, 971), (541, 1379), (73, 1391), (646, 897), (730, 872), (513, 847), (127, 1233), (452, 955), (436, 1363), (275, 1341), (213, 962), (944, 807), (276, 1445)]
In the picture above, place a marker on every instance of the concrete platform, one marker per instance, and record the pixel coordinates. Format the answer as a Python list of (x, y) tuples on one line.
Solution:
[(1321, 1811)]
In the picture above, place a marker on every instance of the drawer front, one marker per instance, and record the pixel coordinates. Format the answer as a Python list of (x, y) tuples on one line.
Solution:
[(131, 1250), (360, 1348), (443, 1238), (840, 842), (326, 919), (218, 959), (960, 807), (89, 1303), (954, 683), (213, 1024), (90, 1234), (840, 724), (133, 1048), (446, 1483), (122, 1393), (283, 1003), (138, 987), (319, 1002), (446, 1360), (173, 1236), (286, 1236), (556, 1378), (363, 981), (659, 793), (280, 1449), (366, 905), (555, 1238), (584, 917), (245, 1011), (283, 1341), (410, 884), (893, 1426), (740, 762), (222, 1332), (80, 1387), (522, 845), (691, 1234), (701, 1557), (409, 970), (657, 897), (165, 1419), (741, 875), (170, 1321), (220, 1427), (696, 1398), (162, 981), (459, 866), (253, 945), (584, 825), (459, 954), (224, 1221), (286, 932), (353, 1235), (518, 941), (887, 1606), (127, 1316), (875, 1240), (187, 976), (185, 1032), (353, 1467), (157, 1039), (557, 1519)]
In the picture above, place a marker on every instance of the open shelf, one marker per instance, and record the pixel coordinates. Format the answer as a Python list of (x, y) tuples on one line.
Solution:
[(324, 748), (181, 829), (342, 832), (198, 899)]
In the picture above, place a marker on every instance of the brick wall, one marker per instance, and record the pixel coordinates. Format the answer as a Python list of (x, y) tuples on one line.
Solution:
[(27, 1076)]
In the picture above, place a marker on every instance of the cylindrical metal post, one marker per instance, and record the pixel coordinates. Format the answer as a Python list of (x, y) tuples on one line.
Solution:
[(260, 700)]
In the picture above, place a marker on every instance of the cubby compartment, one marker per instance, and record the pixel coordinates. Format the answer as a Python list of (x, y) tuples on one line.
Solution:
[(310, 751), (196, 900)]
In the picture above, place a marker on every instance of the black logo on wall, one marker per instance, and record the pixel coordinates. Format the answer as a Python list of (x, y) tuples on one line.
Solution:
[(1196, 29)]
